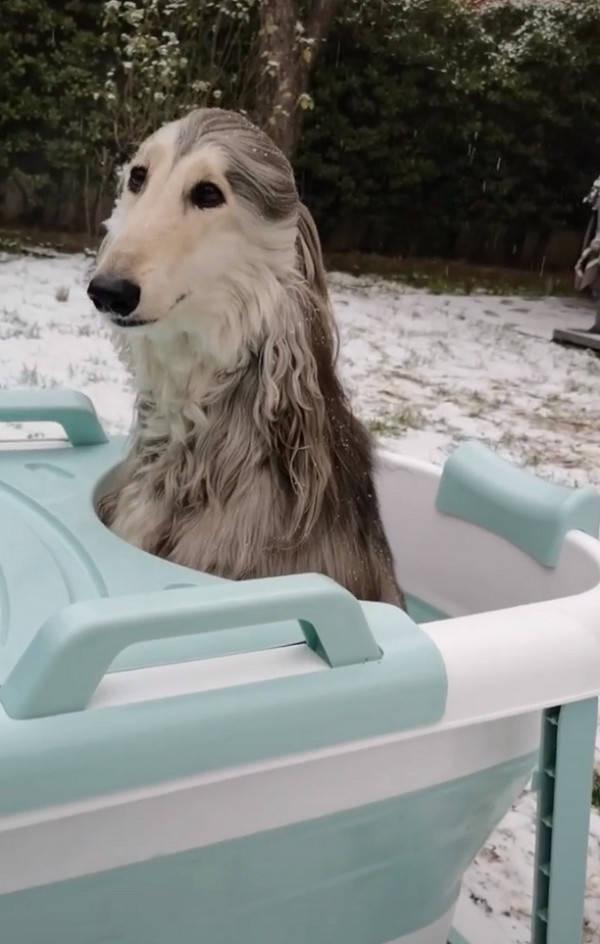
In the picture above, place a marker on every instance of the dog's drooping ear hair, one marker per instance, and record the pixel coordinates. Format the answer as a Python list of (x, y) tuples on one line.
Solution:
[(299, 398), (310, 257), (312, 268)]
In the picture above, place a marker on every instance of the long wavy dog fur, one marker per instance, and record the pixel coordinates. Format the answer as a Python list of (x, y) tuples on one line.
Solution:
[(246, 460)]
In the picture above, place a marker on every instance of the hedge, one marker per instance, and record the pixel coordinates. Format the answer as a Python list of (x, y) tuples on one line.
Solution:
[(441, 131), (438, 128)]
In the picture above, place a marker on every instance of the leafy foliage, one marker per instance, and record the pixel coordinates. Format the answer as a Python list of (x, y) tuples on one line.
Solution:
[(50, 61), (83, 81), (438, 126), (385, 147), (440, 130), (170, 56)]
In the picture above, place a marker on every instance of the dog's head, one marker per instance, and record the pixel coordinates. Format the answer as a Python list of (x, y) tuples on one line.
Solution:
[(208, 217)]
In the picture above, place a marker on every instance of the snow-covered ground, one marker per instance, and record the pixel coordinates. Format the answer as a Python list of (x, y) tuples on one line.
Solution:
[(426, 371)]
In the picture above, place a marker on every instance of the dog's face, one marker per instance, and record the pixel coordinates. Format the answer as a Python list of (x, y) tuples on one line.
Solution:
[(207, 205)]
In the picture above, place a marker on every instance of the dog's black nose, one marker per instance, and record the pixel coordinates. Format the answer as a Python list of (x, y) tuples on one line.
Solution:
[(114, 295)]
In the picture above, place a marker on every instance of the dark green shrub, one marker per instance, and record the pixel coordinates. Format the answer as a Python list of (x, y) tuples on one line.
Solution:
[(438, 128)]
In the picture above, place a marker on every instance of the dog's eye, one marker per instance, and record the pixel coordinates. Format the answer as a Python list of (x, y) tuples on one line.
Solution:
[(205, 195), (137, 178)]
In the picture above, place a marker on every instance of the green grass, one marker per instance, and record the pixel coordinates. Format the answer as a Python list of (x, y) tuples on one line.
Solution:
[(408, 418), (28, 240), (440, 276), (9, 243)]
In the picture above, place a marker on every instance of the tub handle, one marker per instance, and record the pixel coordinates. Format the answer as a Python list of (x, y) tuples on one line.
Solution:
[(483, 489), (66, 660), (72, 410)]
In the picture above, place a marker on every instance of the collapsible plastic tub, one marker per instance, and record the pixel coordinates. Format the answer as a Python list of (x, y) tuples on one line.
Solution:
[(188, 759)]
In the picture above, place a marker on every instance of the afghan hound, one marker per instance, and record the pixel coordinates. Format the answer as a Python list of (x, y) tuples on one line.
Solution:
[(246, 460)]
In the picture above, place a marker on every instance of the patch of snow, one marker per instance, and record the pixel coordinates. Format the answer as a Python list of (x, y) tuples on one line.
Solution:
[(46, 342), (431, 370), (426, 371)]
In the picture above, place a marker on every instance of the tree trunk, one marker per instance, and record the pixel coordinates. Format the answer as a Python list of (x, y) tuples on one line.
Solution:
[(288, 49)]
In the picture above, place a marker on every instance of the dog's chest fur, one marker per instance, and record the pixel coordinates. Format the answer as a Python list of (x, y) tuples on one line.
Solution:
[(199, 485), (241, 476), (204, 487)]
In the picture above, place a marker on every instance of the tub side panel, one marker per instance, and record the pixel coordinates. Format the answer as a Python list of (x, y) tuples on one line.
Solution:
[(371, 875)]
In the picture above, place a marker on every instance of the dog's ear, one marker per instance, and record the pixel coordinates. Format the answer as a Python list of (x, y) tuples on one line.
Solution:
[(310, 256), (312, 268), (295, 375)]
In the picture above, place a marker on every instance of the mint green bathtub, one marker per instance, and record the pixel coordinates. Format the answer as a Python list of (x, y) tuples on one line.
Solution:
[(185, 759)]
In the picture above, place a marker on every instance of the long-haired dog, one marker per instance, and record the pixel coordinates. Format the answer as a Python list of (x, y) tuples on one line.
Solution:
[(246, 459)]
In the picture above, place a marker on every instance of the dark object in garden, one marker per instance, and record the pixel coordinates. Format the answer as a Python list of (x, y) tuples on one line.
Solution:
[(587, 276)]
